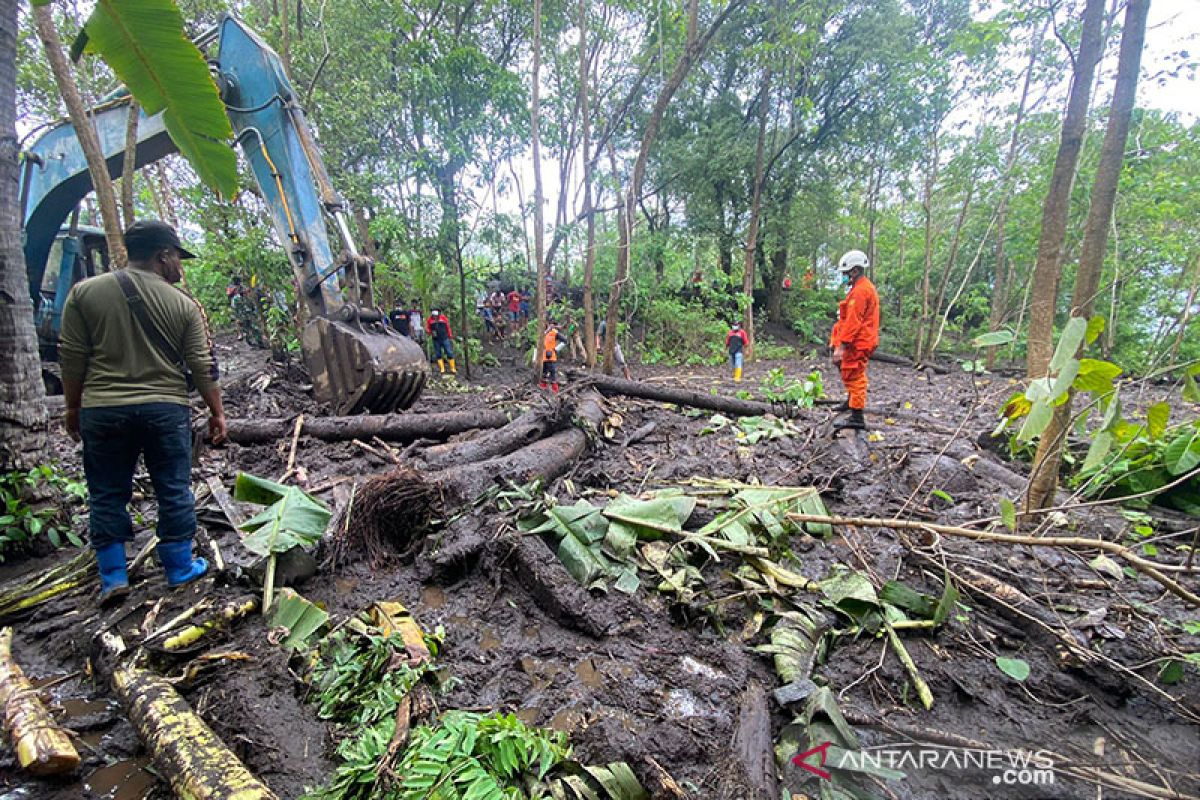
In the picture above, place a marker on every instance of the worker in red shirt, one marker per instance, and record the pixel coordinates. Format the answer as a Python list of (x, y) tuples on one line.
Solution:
[(736, 342), (855, 335), (438, 327), (514, 305)]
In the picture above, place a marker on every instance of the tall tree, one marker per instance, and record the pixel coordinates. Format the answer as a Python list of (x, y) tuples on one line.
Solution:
[(89, 142), (764, 94), (1058, 197), (694, 47), (22, 395), (539, 224), (1046, 463), (589, 254)]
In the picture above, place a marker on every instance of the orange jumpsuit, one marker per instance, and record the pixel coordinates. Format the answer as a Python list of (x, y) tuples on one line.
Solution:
[(857, 331), (550, 358)]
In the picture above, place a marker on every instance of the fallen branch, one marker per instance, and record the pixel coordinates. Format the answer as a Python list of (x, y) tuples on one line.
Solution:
[(1137, 562), (41, 746), (523, 431), (186, 752), (390, 427), (225, 615)]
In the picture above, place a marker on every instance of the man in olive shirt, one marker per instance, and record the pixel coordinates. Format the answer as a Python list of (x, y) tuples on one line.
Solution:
[(126, 397)]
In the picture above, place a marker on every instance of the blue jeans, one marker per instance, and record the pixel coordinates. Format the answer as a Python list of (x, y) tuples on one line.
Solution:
[(113, 438), (442, 349), (735, 359)]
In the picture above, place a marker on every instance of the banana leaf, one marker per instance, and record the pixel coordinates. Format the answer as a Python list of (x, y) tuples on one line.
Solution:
[(300, 616), (143, 42), (291, 519)]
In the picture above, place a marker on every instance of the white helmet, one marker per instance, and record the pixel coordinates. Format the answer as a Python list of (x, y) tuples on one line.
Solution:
[(852, 259)]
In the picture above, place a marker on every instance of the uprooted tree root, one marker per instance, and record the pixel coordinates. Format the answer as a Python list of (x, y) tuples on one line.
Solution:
[(384, 517)]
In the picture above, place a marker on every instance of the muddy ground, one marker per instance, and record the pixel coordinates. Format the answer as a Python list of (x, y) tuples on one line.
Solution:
[(663, 681)]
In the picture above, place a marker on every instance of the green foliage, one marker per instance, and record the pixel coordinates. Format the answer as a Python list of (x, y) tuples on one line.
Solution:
[(23, 521), (678, 332), (144, 43), (778, 387), (477, 757), (291, 519)]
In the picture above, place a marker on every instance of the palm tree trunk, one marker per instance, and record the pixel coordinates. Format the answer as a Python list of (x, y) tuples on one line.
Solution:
[(129, 166), (22, 396)]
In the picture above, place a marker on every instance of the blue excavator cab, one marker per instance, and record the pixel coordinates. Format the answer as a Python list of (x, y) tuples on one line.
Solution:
[(357, 363)]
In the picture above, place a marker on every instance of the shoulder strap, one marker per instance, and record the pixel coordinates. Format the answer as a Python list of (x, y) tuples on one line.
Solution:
[(137, 308)]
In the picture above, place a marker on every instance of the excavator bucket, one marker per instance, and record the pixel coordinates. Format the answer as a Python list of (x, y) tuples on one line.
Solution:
[(359, 371)]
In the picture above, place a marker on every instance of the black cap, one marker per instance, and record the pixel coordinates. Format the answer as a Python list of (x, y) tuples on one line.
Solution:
[(148, 236)]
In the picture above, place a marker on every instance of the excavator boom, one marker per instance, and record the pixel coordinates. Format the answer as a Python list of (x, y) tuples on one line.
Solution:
[(356, 362)]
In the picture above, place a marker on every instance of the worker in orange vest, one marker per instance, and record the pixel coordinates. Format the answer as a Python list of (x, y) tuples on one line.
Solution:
[(855, 335), (550, 347)]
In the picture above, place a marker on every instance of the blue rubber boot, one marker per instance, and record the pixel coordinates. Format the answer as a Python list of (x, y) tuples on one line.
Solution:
[(114, 581), (177, 561)]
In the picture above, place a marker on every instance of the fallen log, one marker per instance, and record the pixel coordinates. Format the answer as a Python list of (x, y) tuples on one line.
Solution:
[(902, 361), (526, 429), (185, 750), (545, 459), (390, 427), (754, 744), (41, 746)]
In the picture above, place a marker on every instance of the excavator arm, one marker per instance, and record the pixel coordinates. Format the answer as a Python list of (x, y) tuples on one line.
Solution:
[(356, 362)]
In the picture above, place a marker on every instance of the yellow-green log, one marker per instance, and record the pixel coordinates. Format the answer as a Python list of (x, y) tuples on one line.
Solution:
[(193, 759), (41, 746), (221, 617)]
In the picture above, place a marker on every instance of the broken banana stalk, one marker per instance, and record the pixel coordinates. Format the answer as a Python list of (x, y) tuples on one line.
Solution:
[(186, 752), (225, 615), (41, 746)]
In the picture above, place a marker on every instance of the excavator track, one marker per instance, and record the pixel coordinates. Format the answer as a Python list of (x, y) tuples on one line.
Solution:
[(361, 371)]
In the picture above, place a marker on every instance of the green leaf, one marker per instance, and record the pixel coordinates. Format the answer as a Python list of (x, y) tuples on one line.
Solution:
[(1106, 566), (1015, 668), (651, 518), (1183, 453), (1097, 450), (851, 592), (1191, 392), (1068, 343), (943, 495), (947, 603), (1157, 417), (1095, 327), (143, 42), (1096, 376), (293, 519), (1171, 672), (1039, 417), (898, 594), (301, 617), (581, 561), (1008, 513), (993, 338)]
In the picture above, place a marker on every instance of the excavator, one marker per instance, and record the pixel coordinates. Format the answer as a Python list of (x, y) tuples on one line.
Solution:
[(357, 363)]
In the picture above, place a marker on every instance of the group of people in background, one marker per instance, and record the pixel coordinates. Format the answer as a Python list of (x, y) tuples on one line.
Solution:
[(854, 337)]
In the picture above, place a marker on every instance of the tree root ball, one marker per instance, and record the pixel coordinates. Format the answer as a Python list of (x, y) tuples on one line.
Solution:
[(385, 518)]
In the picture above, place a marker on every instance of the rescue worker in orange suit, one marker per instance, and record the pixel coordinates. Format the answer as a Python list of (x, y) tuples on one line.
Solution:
[(855, 335), (550, 348)]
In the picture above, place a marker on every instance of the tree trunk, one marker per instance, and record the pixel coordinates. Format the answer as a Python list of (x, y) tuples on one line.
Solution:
[(89, 142), (1000, 284), (1046, 464), (22, 394), (755, 208), (1046, 271), (521, 432), (390, 427), (693, 50), (538, 220), (927, 206), (778, 271), (129, 165), (589, 256), (164, 189), (944, 278)]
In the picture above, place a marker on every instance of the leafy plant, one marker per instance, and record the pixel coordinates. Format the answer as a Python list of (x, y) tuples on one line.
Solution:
[(778, 387), (291, 519), (22, 521)]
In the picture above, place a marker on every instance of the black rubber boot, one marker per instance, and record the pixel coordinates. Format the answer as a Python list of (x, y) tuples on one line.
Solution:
[(854, 422)]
